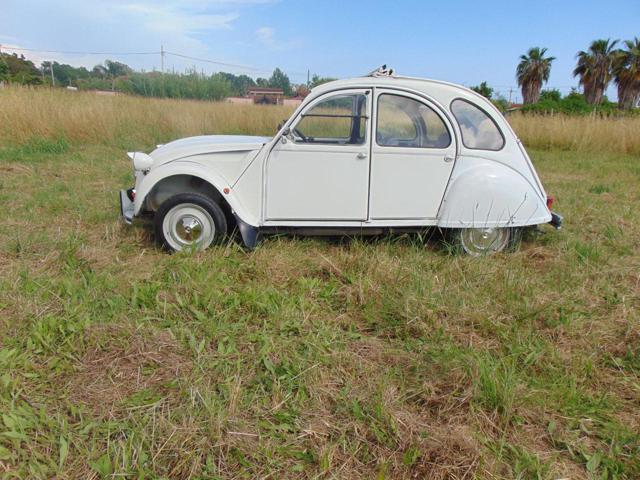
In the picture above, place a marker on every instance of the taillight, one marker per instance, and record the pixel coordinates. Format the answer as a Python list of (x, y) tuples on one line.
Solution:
[(549, 202)]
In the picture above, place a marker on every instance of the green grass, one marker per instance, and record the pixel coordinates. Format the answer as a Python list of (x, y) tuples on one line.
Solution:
[(307, 358)]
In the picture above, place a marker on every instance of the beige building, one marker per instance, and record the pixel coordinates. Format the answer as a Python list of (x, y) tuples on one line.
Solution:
[(240, 100), (266, 96)]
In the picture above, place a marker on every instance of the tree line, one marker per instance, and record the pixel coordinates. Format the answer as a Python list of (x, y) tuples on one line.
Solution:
[(595, 68), (117, 76)]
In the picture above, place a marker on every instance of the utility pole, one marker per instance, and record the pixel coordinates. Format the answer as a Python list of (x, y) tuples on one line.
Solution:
[(308, 78), (53, 79), (162, 59)]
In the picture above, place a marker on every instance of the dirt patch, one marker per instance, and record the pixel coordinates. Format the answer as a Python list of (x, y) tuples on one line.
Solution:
[(111, 374)]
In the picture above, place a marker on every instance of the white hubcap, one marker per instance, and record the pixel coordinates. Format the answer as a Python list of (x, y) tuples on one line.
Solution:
[(482, 241), (188, 225)]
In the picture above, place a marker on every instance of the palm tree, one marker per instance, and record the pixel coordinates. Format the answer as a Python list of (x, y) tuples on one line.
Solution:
[(594, 69), (626, 72), (533, 70)]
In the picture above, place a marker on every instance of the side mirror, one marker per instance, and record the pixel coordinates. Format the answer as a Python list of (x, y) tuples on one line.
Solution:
[(285, 135)]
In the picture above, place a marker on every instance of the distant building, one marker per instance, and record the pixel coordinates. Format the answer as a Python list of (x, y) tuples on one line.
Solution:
[(240, 100), (106, 93), (266, 96)]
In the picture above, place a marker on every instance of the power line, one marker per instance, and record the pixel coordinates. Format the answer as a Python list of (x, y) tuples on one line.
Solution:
[(232, 65), (70, 52), (162, 52), (215, 62)]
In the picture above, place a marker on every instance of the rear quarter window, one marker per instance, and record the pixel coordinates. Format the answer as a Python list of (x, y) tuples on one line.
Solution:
[(479, 130)]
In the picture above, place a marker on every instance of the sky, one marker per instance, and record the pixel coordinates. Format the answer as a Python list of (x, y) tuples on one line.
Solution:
[(463, 41)]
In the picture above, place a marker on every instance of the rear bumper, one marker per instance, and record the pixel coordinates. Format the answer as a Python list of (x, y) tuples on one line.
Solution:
[(126, 206), (556, 220)]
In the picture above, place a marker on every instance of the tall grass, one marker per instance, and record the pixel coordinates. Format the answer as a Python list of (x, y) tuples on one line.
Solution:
[(31, 114), (579, 133)]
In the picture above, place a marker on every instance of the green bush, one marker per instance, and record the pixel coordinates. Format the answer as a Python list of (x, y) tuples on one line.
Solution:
[(171, 85), (551, 101)]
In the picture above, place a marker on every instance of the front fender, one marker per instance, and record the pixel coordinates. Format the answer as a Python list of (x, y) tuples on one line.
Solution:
[(186, 167), (485, 193)]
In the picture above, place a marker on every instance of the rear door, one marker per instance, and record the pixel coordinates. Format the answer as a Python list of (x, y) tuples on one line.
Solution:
[(413, 154)]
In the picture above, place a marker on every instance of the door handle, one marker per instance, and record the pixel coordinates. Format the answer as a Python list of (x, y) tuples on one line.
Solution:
[(361, 156), (448, 158)]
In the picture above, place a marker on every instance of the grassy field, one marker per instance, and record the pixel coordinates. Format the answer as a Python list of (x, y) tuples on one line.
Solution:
[(307, 358)]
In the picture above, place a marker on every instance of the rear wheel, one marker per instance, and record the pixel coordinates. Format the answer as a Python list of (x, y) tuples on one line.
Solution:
[(478, 242), (189, 221)]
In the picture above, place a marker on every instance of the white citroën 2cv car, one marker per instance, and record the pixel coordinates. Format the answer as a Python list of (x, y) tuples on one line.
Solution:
[(366, 155)]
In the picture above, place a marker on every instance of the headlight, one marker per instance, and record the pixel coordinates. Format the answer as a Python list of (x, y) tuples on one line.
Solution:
[(141, 161)]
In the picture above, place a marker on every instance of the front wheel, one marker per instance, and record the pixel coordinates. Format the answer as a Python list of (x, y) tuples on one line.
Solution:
[(478, 242), (189, 221)]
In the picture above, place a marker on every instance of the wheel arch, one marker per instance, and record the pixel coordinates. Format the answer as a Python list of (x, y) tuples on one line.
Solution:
[(171, 174), (189, 177), (178, 183)]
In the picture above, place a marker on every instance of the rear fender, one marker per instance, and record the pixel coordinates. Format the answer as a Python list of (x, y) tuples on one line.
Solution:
[(486, 193)]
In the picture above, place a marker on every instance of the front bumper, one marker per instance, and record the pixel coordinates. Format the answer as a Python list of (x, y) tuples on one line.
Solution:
[(556, 220), (126, 205)]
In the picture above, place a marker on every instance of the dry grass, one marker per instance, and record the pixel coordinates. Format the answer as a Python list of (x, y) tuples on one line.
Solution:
[(305, 358), (579, 134), (80, 117), (33, 114), (123, 363)]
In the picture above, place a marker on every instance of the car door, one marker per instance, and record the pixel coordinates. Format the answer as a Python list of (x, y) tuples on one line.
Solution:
[(320, 170), (412, 157)]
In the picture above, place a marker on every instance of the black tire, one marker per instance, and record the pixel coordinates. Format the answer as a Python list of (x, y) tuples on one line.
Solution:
[(189, 213), (509, 240)]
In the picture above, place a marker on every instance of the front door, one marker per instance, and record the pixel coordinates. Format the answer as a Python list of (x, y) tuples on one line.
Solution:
[(320, 170), (412, 157)]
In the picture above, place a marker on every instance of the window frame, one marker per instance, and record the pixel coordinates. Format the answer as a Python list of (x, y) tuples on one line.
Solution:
[(401, 94), (354, 118), (490, 117)]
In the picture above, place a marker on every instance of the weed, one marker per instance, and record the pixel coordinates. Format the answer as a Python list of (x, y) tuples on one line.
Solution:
[(599, 188)]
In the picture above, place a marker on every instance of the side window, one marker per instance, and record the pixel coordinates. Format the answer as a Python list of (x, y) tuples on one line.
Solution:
[(338, 120), (479, 131), (404, 122)]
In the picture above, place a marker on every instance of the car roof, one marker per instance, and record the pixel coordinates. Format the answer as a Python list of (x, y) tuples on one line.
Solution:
[(442, 92)]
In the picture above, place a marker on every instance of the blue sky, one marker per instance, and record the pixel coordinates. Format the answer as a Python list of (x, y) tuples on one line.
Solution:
[(463, 41)]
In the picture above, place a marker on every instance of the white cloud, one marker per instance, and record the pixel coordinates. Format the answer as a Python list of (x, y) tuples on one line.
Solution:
[(8, 38), (172, 19), (182, 26), (266, 36)]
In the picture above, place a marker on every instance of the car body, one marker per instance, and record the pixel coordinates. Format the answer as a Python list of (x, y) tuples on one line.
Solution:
[(368, 154)]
